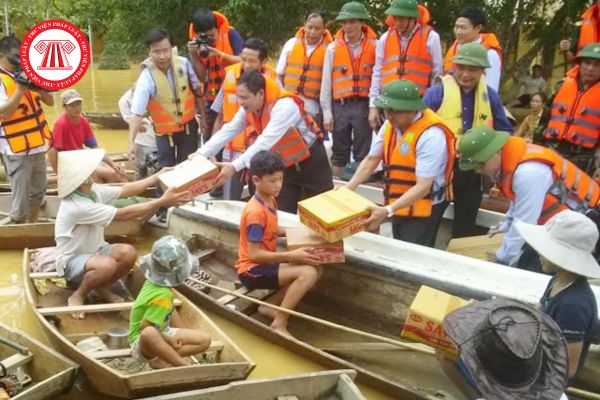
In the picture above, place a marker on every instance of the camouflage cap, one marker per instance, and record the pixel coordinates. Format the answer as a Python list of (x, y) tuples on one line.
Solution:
[(170, 262)]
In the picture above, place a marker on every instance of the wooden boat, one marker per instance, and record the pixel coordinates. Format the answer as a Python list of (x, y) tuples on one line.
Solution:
[(41, 234), (222, 363), (328, 385), (51, 373), (109, 120), (370, 292)]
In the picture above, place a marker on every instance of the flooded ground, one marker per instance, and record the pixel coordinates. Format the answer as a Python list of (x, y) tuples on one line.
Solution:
[(101, 91)]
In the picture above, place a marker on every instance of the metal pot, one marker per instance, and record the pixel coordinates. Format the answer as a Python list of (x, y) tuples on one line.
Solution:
[(118, 338)]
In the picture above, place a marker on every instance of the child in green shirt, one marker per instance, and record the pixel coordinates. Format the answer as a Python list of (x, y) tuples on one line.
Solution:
[(156, 334)]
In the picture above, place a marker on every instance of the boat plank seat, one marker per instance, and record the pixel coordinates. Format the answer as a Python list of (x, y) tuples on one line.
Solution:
[(203, 254), (229, 297), (215, 346), (44, 275), (91, 308), (17, 360)]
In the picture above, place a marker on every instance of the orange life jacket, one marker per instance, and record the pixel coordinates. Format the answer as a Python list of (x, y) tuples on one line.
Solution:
[(571, 182), (170, 111), (26, 128), (413, 63), (216, 65), (575, 114), (589, 32), (303, 73), (291, 147), (400, 161), (489, 40), (230, 104), (352, 77)]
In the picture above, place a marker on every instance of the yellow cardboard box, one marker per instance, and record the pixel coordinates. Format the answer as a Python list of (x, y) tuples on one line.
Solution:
[(196, 174), (335, 214), (424, 322), (329, 253)]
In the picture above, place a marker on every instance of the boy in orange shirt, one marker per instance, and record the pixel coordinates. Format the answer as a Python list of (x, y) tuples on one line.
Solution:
[(259, 265)]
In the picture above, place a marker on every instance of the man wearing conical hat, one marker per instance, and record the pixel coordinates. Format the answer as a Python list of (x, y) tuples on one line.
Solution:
[(84, 258)]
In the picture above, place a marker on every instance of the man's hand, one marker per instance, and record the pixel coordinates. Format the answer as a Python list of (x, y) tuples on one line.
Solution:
[(192, 47), (212, 51), (226, 172), (118, 169), (131, 152), (328, 124), (378, 215), (494, 230), (374, 119), (564, 45), (172, 198), (303, 256)]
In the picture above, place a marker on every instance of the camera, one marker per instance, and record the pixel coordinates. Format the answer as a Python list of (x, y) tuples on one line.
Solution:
[(203, 41), (20, 76), (151, 164)]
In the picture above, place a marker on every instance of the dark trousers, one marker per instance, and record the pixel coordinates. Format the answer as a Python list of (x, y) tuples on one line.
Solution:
[(174, 149), (309, 178), (351, 130), (467, 199), (421, 231)]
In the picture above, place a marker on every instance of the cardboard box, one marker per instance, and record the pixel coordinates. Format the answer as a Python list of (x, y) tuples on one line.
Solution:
[(329, 253), (196, 174), (335, 214), (424, 322)]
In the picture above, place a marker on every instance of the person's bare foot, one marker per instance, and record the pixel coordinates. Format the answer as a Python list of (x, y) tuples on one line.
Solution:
[(76, 300), (267, 312), (159, 364), (281, 329), (109, 296)]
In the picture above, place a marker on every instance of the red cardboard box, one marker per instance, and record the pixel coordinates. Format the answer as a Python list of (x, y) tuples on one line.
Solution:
[(197, 175), (329, 253)]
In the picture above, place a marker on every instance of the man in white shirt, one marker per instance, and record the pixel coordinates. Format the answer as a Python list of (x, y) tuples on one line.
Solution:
[(84, 258)]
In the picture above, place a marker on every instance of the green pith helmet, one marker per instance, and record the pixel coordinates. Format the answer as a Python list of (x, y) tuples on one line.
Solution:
[(403, 8), (478, 145), (473, 54), (400, 95), (353, 10), (589, 51)]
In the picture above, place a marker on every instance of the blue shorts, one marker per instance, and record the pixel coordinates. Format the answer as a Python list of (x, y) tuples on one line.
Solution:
[(75, 268), (264, 276)]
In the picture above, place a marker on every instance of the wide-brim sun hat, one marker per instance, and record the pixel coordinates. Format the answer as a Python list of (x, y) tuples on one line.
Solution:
[(478, 145), (170, 263), (400, 95), (567, 240), (74, 167), (511, 350)]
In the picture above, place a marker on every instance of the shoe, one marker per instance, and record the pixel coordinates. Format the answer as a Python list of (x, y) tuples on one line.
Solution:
[(161, 215)]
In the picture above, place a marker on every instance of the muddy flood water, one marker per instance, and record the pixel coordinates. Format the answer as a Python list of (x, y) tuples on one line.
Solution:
[(101, 91)]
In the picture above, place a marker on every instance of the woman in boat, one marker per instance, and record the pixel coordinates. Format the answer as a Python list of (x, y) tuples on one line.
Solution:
[(300, 65), (292, 273), (507, 351), (157, 334), (84, 258), (565, 245), (531, 122)]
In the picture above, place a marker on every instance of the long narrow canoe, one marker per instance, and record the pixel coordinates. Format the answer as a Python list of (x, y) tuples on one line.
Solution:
[(51, 373), (370, 292), (328, 385), (110, 120), (114, 372), (41, 234)]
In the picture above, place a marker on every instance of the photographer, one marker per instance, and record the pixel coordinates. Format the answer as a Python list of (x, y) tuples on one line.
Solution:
[(213, 45), (24, 135)]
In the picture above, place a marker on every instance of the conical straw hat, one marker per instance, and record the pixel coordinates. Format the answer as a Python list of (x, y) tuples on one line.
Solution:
[(74, 167)]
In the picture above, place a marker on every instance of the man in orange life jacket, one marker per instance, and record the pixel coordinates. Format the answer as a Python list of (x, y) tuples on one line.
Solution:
[(538, 181), (213, 45), (417, 150), (283, 126), (587, 32), (574, 126), (467, 29), (254, 58), (347, 70), (23, 137), (166, 88), (410, 49)]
